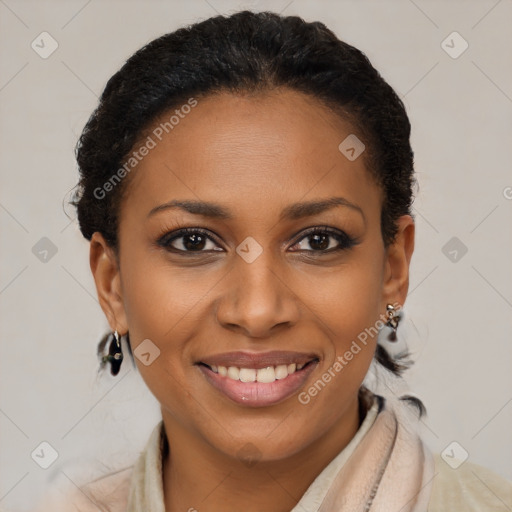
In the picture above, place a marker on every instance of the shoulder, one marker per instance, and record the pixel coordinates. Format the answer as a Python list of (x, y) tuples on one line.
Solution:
[(108, 493), (468, 487)]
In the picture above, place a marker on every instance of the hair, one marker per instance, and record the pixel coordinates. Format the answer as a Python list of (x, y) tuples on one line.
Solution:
[(245, 53)]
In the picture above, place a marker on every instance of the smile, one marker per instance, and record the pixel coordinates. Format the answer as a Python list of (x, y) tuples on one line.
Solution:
[(264, 375), (255, 380)]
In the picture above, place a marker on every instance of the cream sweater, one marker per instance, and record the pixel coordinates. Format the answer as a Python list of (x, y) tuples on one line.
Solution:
[(138, 488)]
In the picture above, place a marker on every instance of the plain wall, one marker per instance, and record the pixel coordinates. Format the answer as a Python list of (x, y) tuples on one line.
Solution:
[(458, 314)]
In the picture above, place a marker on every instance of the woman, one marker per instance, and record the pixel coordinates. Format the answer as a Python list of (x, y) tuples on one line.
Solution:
[(246, 187)]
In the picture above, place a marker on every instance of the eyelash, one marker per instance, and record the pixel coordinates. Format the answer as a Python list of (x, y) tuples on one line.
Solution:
[(345, 241)]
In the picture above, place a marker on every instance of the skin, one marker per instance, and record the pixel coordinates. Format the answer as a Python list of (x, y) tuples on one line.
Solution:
[(255, 155)]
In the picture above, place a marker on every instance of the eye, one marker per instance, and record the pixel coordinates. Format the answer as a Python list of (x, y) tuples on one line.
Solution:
[(188, 240), (321, 239), (325, 240)]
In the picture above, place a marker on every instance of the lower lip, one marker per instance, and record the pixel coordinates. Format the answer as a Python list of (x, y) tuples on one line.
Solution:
[(259, 394)]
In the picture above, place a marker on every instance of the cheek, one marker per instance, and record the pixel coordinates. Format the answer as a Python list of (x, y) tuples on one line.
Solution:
[(161, 305), (161, 299), (347, 304), (358, 301), (159, 308), (347, 299), (348, 311)]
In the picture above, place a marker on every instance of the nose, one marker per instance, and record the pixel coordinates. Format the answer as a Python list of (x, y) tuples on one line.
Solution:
[(257, 298)]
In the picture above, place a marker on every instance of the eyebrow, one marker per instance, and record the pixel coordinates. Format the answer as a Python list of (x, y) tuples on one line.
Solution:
[(292, 212)]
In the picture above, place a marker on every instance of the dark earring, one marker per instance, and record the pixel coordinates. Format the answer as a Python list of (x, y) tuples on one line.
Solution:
[(393, 320), (115, 353)]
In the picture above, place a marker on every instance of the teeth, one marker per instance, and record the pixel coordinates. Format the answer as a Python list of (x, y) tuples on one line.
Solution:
[(263, 375), (233, 373), (247, 374), (266, 375), (281, 371)]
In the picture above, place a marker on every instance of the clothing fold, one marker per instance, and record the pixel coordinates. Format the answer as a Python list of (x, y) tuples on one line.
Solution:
[(385, 467), (389, 470)]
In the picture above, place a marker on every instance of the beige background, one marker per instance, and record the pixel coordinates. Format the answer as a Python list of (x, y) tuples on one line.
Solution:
[(458, 314)]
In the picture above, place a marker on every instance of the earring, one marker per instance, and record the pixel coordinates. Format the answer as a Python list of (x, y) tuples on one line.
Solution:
[(393, 320), (115, 353)]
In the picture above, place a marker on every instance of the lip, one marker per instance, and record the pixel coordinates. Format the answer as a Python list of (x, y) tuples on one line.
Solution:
[(258, 360), (258, 394)]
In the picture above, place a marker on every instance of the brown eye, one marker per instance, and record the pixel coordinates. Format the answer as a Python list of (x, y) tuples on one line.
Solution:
[(188, 240), (321, 239)]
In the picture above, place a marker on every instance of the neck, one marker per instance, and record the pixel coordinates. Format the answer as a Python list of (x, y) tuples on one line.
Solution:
[(198, 477)]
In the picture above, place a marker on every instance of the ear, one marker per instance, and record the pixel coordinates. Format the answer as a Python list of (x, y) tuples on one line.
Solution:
[(106, 272), (397, 260)]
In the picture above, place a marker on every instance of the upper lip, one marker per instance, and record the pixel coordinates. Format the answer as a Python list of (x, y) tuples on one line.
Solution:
[(258, 360)]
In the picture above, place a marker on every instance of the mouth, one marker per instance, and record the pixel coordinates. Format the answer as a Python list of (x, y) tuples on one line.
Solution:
[(258, 380)]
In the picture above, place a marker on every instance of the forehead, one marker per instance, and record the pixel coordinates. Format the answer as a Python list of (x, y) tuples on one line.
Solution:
[(248, 147)]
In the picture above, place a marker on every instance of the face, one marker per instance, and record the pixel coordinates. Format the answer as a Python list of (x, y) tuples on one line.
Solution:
[(281, 269)]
